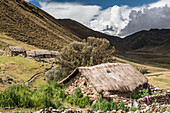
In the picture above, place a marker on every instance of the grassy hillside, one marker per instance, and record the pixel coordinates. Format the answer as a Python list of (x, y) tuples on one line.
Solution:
[(4, 39), (20, 69), (24, 22), (154, 40), (27, 23)]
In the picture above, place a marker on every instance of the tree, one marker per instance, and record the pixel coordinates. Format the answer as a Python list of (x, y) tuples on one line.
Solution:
[(92, 51)]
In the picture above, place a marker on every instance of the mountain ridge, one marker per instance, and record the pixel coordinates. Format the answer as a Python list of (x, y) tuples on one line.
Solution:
[(27, 23)]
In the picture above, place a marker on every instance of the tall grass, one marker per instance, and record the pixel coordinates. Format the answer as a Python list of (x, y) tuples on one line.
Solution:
[(22, 97)]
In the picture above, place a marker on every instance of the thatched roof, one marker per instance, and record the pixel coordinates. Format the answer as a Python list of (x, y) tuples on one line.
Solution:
[(111, 77), (54, 52), (17, 49), (41, 52)]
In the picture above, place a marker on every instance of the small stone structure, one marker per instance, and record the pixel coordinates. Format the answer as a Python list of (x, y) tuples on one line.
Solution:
[(42, 54), (108, 79), (14, 51)]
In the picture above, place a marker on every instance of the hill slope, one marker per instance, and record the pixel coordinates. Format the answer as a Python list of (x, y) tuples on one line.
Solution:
[(27, 23), (4, 40), (154, 40)]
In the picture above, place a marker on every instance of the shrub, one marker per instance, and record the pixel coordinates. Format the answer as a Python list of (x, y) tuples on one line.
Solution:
[(122, 106), (90, 52), (104, 105), (143, 70), (84, 101), (77, 99), (16, 95), (140, 94), (113, 105), (21, 96)]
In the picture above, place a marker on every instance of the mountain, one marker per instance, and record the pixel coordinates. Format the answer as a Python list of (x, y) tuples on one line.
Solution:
[(154, 40), (27, 23), (83, 32)]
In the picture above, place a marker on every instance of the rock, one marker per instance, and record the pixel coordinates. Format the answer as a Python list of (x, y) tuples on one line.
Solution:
[(9, 79), (50, 108), (1, 81), (41, 110), (120, 111), (114, 111), (99, 111), (147, 108)]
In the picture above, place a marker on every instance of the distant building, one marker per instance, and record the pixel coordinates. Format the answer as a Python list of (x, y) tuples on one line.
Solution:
[(110, 79), (14, 51), (42, 54)]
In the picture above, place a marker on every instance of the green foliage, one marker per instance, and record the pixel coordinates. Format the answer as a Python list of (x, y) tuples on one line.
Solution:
[(90, 52), (133, 109), (104, 105), (16, 95), (122, 106), (77, 99), (143, 70), (21, 96), (54, 71), (140, 94), (163, 109)]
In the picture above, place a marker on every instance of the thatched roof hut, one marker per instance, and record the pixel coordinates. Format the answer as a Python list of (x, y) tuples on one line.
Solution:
[(41, 53), (14, 51), (17, 49), (114, 77)]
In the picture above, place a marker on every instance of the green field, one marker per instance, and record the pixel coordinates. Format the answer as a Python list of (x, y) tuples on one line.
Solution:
[(20, 69)]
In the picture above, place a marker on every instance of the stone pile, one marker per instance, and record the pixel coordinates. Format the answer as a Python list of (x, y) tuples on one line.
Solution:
[(155, 90)]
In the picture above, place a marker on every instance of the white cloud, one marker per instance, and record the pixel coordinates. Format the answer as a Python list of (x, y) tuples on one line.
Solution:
[(127, 20), (124, 20), (81, 13), (158, 17)]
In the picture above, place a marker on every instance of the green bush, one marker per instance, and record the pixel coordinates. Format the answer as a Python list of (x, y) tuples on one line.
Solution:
[(140, 94), (21, 96), (16, 95), (84, 101), (122, 106), (77, 99), (90, 52), (104, 105)]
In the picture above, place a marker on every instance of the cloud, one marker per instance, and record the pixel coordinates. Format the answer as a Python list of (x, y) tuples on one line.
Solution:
[(158, 17), (122, 20), (81, 13), (125, 20)]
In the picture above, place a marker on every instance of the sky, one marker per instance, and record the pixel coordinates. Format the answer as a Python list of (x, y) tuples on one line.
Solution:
[(113, 17)]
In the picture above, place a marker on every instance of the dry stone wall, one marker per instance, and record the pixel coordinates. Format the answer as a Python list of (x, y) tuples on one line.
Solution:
[(81, 82)]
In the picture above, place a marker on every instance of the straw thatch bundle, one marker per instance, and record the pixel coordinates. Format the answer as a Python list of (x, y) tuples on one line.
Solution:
[(110, 77), (16, 49), (34, 53)]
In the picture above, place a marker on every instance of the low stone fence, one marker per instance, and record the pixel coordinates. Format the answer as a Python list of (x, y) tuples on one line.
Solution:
[(161, 99)]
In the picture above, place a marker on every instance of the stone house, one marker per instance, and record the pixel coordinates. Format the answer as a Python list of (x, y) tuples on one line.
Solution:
[(14, 51), (42, 54), (108, 79)]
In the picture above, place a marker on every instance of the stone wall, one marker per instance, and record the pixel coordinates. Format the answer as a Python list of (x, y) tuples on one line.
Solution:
[(79, 81), (161, 99)]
